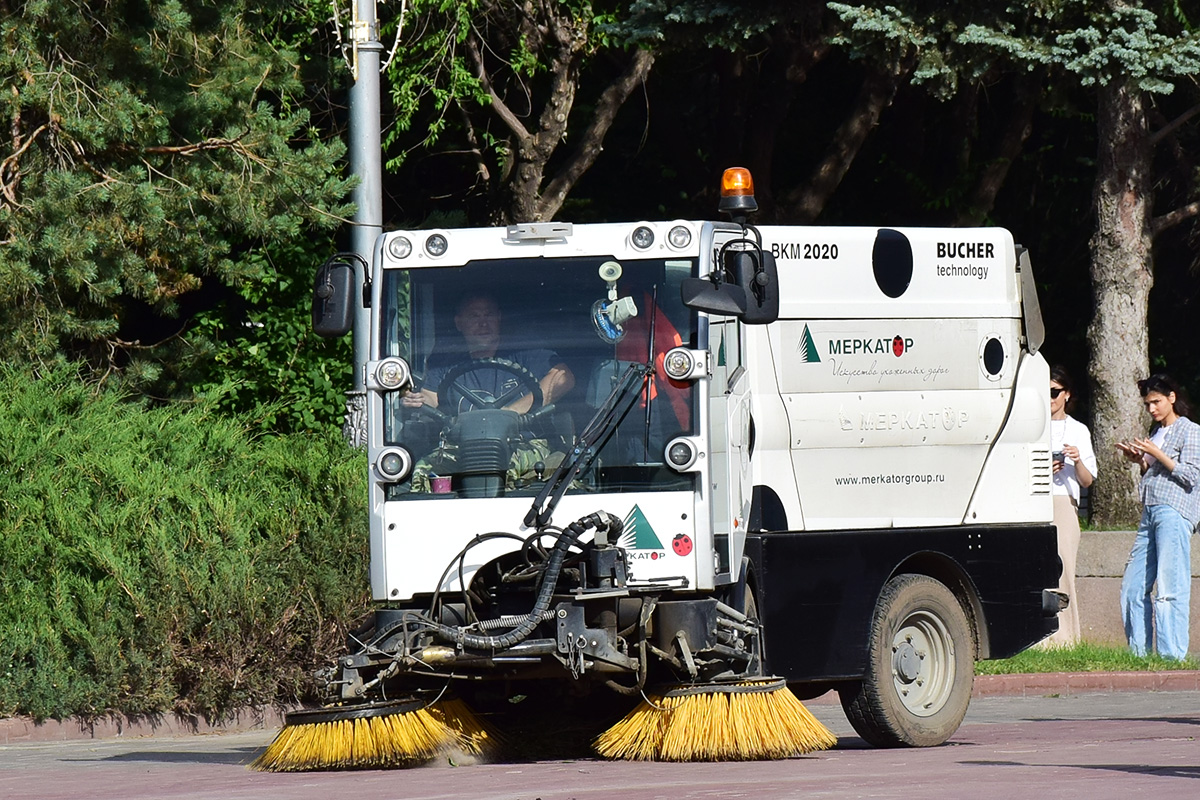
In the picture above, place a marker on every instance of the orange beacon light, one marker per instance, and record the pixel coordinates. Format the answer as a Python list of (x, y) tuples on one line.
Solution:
[(737, 193), (737, 181)]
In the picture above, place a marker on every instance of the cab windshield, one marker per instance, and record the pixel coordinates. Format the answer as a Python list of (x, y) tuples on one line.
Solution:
[(512, 359)]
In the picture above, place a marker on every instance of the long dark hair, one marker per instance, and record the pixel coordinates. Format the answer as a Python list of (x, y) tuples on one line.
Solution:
[(1059, 375), (1165, 385)]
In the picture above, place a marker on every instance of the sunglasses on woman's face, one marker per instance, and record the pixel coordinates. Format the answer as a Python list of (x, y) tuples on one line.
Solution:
[(1055, 391)]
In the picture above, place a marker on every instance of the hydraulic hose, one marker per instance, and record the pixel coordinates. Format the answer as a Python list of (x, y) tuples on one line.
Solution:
[(600, 520)]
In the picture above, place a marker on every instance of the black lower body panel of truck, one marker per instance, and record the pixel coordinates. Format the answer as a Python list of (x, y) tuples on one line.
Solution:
[(817, 591)]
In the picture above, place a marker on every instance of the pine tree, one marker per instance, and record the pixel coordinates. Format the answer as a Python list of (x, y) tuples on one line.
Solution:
[(151, 146)]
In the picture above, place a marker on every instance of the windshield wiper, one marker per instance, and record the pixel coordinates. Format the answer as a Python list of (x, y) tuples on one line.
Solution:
[(595, 435), (652, 359)]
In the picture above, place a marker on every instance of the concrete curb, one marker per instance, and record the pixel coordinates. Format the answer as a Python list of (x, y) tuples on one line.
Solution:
[(22, 730), (1060, 683)]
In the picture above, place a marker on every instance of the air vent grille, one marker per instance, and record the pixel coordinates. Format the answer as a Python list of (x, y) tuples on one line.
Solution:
[(1040, 473)]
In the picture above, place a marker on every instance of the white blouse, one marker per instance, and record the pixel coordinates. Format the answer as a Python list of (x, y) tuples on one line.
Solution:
[(1073, 432)]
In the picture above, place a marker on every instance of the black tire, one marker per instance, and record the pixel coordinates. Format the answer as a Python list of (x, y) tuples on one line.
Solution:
[(920, 670)]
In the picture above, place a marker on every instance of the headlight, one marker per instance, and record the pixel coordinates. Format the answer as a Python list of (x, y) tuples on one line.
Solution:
[(679, 237), (399, 247), (436, 245), (393, 465), (682, 364), (392, 373), (642, 237), (682, 454)]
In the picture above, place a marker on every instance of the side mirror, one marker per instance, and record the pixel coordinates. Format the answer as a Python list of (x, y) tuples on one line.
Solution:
[(333, 297), (702, 294), (1031, 309), (755, 271)]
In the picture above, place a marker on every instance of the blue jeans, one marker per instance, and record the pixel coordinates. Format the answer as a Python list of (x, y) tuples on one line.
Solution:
[(1162, 555)]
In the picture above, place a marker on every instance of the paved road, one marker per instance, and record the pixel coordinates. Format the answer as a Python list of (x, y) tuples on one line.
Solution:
[(1091, 746)]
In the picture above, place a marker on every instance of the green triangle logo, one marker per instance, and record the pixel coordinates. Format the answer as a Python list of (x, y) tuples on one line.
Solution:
[(808, 350), (638, 534), (721, 350)]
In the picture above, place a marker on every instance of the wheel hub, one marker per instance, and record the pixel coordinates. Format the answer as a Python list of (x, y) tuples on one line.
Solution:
[(907, 662), (923, 663)]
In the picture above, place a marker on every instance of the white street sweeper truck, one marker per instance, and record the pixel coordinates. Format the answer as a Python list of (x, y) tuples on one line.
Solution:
[(668, 458)]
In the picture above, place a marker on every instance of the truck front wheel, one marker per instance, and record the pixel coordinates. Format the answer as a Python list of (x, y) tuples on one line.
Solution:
[(921, 667)]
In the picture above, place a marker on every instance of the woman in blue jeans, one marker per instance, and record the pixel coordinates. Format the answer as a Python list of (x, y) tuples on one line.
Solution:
[(1162, 550)]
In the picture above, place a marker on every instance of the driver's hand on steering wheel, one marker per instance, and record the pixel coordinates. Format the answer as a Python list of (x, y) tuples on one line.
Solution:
[(414, 399)]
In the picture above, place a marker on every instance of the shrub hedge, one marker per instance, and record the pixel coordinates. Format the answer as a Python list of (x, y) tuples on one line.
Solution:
[(165, 559)]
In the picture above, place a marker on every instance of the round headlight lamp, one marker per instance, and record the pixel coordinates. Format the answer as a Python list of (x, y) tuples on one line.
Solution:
[(394, 465), (678, 363), (682, 364), (399, 247), (642, 238), (679, 237), (392, 373), (436, 245), (682, 454)]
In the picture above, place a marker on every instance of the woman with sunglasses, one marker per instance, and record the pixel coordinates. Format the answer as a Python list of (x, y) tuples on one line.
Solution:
[(1074, 467), (1162, 550)]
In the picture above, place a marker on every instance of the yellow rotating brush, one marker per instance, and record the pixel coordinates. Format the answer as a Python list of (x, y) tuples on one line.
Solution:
[(716, 722), (374, 736)]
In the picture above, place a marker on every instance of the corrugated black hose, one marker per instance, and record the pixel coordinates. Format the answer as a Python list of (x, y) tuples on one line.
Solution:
[(600, 520)]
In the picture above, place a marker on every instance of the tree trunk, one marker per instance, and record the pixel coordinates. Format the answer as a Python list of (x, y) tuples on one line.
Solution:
[(1018, 126), (592, 140), (1122, 275), (803, 204), (533, 153), (785, 67)]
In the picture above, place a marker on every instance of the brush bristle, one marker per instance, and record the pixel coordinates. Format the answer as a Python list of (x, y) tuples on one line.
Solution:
[(716, 726), (474, 735), (393, 740)]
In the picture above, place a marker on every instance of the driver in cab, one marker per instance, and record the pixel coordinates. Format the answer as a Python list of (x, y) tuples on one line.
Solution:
[(478, 319)]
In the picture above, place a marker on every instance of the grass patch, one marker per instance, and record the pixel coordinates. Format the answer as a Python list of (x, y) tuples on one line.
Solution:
[(1082, 657), (1093, 527)]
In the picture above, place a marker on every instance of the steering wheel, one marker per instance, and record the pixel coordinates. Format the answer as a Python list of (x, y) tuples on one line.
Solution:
[(527, 383)]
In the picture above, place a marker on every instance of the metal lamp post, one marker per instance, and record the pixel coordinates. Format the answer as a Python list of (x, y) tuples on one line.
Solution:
[(367, 224)]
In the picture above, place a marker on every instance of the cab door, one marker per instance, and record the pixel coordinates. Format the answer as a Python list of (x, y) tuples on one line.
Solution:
[(729, 414)]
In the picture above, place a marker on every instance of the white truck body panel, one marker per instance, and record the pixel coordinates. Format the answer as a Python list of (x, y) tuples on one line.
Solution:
[(858, 410), (421, 534)]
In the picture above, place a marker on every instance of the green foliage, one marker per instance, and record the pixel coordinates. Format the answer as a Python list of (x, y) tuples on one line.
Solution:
[(895, 36), (436, 89), (256, 353), (433, 75), (1095, 41), (1098, 43), (1082, 657), (685, 23), (163, 560), (152, 147)]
